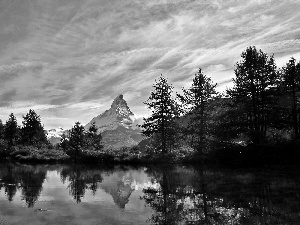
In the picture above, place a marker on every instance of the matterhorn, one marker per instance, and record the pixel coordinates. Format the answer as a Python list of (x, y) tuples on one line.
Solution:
[(117, 125), (119, 114)]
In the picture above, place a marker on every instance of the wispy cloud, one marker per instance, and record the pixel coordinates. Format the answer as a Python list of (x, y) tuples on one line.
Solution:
[(69, 59)]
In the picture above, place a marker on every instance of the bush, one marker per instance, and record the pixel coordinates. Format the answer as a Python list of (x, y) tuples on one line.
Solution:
[(32, 154), (4, 149)]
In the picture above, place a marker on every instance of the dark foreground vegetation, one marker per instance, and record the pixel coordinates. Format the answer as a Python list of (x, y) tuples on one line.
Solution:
[(257, 121)]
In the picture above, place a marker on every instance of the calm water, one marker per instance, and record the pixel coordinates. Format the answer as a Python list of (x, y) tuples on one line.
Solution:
[(60, 194)]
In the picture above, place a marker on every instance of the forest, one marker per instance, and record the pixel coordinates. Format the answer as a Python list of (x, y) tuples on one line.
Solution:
[(255, 121)]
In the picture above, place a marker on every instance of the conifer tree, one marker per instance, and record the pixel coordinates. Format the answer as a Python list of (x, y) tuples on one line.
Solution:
[(291, 86), (164, 110), (11, 130), (76, 140), (196, 104), (253, 91), (33, 131), (1, 130)]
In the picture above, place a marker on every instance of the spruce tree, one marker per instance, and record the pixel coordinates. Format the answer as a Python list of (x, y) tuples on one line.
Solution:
[(11, 130), (253, 91), (76, 140), (1, 130), (291, 87), (161, 123), (33, 131), (196, 101)]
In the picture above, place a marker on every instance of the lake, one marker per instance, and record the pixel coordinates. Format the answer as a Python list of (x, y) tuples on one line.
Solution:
[(80, 194)]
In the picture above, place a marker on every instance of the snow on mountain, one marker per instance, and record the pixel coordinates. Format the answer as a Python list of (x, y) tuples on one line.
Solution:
[(117, 125), (119, 114), (55, 133)]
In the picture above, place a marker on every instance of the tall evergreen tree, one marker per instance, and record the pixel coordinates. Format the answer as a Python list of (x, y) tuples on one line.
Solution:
[(76, 140), (161, 123), (291, 86), (196, 103), (33, 131), (11, 130), (253, 91), (1, 130)]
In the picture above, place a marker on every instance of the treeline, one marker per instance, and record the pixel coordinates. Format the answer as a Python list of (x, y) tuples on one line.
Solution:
[(261, 107), (81, 144), (31, 132), (29, 141)]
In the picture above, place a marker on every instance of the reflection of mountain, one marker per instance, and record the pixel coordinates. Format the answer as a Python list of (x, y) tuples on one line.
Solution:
[(118, 185), (176, 195), (118, 125)]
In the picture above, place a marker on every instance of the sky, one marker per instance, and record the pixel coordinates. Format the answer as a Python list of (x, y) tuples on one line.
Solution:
[(68, 59)]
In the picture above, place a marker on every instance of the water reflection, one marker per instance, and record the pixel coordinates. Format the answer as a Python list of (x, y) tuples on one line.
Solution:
[(27, 178), (201, 196), (155, 195), (80, 179), (120, 186)]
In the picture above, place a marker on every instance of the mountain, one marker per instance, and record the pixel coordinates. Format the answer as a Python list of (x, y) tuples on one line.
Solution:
[(54, 135), (117, 125)]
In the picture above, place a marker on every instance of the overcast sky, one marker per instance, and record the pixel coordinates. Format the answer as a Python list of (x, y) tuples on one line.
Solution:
[(68, 59)]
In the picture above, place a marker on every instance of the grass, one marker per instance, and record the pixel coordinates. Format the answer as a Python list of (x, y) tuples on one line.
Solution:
[(33, 154)]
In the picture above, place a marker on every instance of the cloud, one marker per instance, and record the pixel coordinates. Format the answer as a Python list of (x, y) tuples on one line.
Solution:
[(7, 97), (70, 59)]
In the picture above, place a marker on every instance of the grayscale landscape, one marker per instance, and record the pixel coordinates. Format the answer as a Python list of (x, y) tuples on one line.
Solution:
[(164, 112)]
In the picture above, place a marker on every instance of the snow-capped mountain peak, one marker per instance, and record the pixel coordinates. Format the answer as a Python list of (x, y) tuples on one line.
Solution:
[(55, 133), (119, 114)]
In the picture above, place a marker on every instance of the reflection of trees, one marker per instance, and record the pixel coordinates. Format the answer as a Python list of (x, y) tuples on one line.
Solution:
[(8, 182), (117, 183), (181, 196), (32, 182), (173, 198), (81, 178), (27, 178)]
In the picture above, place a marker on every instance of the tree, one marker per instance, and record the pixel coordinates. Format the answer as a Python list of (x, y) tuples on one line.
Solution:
[(253, 91), (1, 130), (79, 142), (291, 86), (64, 142), (33, 131), (161, 123), (196, 103), (76, 140), (92, 138), (11, 130)]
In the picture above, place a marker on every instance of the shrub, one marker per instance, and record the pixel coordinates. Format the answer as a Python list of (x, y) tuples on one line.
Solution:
[(30, 153), (4, 149)]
